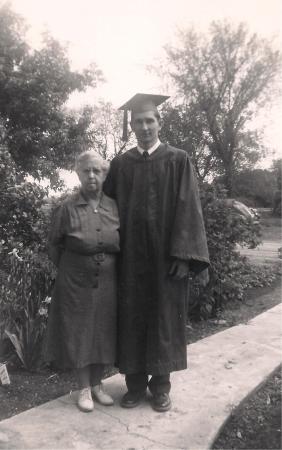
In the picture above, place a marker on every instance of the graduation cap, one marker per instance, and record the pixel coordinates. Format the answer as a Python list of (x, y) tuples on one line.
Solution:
[(140, 103)]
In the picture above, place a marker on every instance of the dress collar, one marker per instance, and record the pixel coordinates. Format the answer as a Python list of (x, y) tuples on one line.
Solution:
[(80, 200)]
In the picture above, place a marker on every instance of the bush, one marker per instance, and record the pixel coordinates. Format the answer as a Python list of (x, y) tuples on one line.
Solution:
[(256, 187), (22, 220), (26, 273), (24, 304), (226, 229)]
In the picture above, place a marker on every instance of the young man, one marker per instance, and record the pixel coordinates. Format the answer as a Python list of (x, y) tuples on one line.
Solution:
[(162, 239)]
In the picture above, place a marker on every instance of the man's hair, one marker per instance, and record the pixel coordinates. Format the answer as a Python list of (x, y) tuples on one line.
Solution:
[(156, 114)]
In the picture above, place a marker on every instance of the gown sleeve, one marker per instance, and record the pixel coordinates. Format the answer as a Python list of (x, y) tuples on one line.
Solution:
[(109, 186), (188, 239)]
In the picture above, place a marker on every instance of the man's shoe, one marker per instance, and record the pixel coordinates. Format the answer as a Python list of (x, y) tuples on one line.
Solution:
[(161, 402), (101, 396), (131, 399), (85, 402)]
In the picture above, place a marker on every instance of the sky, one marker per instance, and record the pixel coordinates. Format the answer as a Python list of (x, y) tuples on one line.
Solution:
[(123, 37)]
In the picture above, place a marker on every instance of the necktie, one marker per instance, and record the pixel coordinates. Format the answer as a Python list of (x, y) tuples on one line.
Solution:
[(145, 155)]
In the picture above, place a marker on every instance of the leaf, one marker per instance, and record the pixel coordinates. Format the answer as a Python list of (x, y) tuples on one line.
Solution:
[(239, 434), (17, 345)]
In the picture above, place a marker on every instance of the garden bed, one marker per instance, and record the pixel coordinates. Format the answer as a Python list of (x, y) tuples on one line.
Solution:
[(257, 424)]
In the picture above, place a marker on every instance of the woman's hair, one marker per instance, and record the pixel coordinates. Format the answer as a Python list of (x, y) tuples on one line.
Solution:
[(99, 161)]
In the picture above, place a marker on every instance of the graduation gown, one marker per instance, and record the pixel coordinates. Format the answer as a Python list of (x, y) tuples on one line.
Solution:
[(160, 220)]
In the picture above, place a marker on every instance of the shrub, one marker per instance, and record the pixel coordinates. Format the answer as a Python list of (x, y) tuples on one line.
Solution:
[(226, 229), (256, 187), (24, 304), (26, 273), (23, 222)]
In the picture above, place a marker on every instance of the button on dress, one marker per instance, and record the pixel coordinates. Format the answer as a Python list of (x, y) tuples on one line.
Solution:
[(83, 243)]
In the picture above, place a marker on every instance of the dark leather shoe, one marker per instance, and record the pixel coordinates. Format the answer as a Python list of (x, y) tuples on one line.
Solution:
[(161, 402), (131, 399)]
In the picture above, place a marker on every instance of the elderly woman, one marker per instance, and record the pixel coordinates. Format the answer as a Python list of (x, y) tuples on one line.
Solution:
[(83, 243)]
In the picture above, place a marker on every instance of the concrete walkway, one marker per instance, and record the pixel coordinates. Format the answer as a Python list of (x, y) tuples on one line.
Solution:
[(223, 370)]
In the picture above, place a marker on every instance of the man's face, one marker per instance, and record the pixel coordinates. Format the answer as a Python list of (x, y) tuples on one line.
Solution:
[(146, 127)]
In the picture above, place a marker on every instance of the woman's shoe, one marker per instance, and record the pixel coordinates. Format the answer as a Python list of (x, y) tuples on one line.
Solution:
[(101, 396), (85, 402)]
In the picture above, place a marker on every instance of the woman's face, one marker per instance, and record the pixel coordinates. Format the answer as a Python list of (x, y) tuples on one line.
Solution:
[(91, 175)]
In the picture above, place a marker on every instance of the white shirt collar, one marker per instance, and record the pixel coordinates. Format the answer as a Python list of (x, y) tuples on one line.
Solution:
[(151, 149)]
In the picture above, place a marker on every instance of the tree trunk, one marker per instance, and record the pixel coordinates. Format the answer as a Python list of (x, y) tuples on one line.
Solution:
[(228, 180)]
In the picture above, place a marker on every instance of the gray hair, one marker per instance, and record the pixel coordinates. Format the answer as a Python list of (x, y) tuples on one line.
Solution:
[(99, 161)]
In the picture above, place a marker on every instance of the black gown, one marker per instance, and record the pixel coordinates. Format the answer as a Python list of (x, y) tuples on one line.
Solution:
[(160, 220)]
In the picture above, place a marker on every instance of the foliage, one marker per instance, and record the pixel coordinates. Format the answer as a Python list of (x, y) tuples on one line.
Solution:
[(105, 131), (226, 229), (24, 304), (26, 273), (225, 77), (277, 171), (255, 187), (22, 220), (183, 127), (34, 87)]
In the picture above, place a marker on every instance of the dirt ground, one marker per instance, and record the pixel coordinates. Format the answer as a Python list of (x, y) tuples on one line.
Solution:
[(257, 424), (257, 301)]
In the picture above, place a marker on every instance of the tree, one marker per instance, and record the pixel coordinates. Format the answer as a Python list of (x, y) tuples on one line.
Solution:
[(225, 77), (277, 172), (182, 127), (106, 130), (40, 133), (255, 187)]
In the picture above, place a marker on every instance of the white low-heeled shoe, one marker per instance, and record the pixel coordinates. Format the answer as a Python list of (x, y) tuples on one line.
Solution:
[(85, 402), (101, 396)]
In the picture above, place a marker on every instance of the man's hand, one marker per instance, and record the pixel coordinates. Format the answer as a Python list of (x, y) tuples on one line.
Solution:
[(203, 277), (179, 269)]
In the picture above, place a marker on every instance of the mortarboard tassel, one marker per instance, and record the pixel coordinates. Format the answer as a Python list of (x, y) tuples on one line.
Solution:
[(125, 126)]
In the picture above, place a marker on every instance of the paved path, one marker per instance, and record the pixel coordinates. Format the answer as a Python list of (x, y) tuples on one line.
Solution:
[(223, 370)]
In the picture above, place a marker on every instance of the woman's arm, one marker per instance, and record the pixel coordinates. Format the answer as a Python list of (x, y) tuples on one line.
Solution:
[(56, 235)]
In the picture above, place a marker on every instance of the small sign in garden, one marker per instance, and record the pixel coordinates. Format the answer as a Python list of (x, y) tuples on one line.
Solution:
[(4, 376)]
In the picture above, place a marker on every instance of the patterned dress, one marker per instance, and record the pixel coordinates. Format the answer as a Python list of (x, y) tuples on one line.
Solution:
[(83, 243)]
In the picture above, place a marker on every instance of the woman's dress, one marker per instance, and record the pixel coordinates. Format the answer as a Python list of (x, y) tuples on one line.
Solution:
[(82, 320)]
